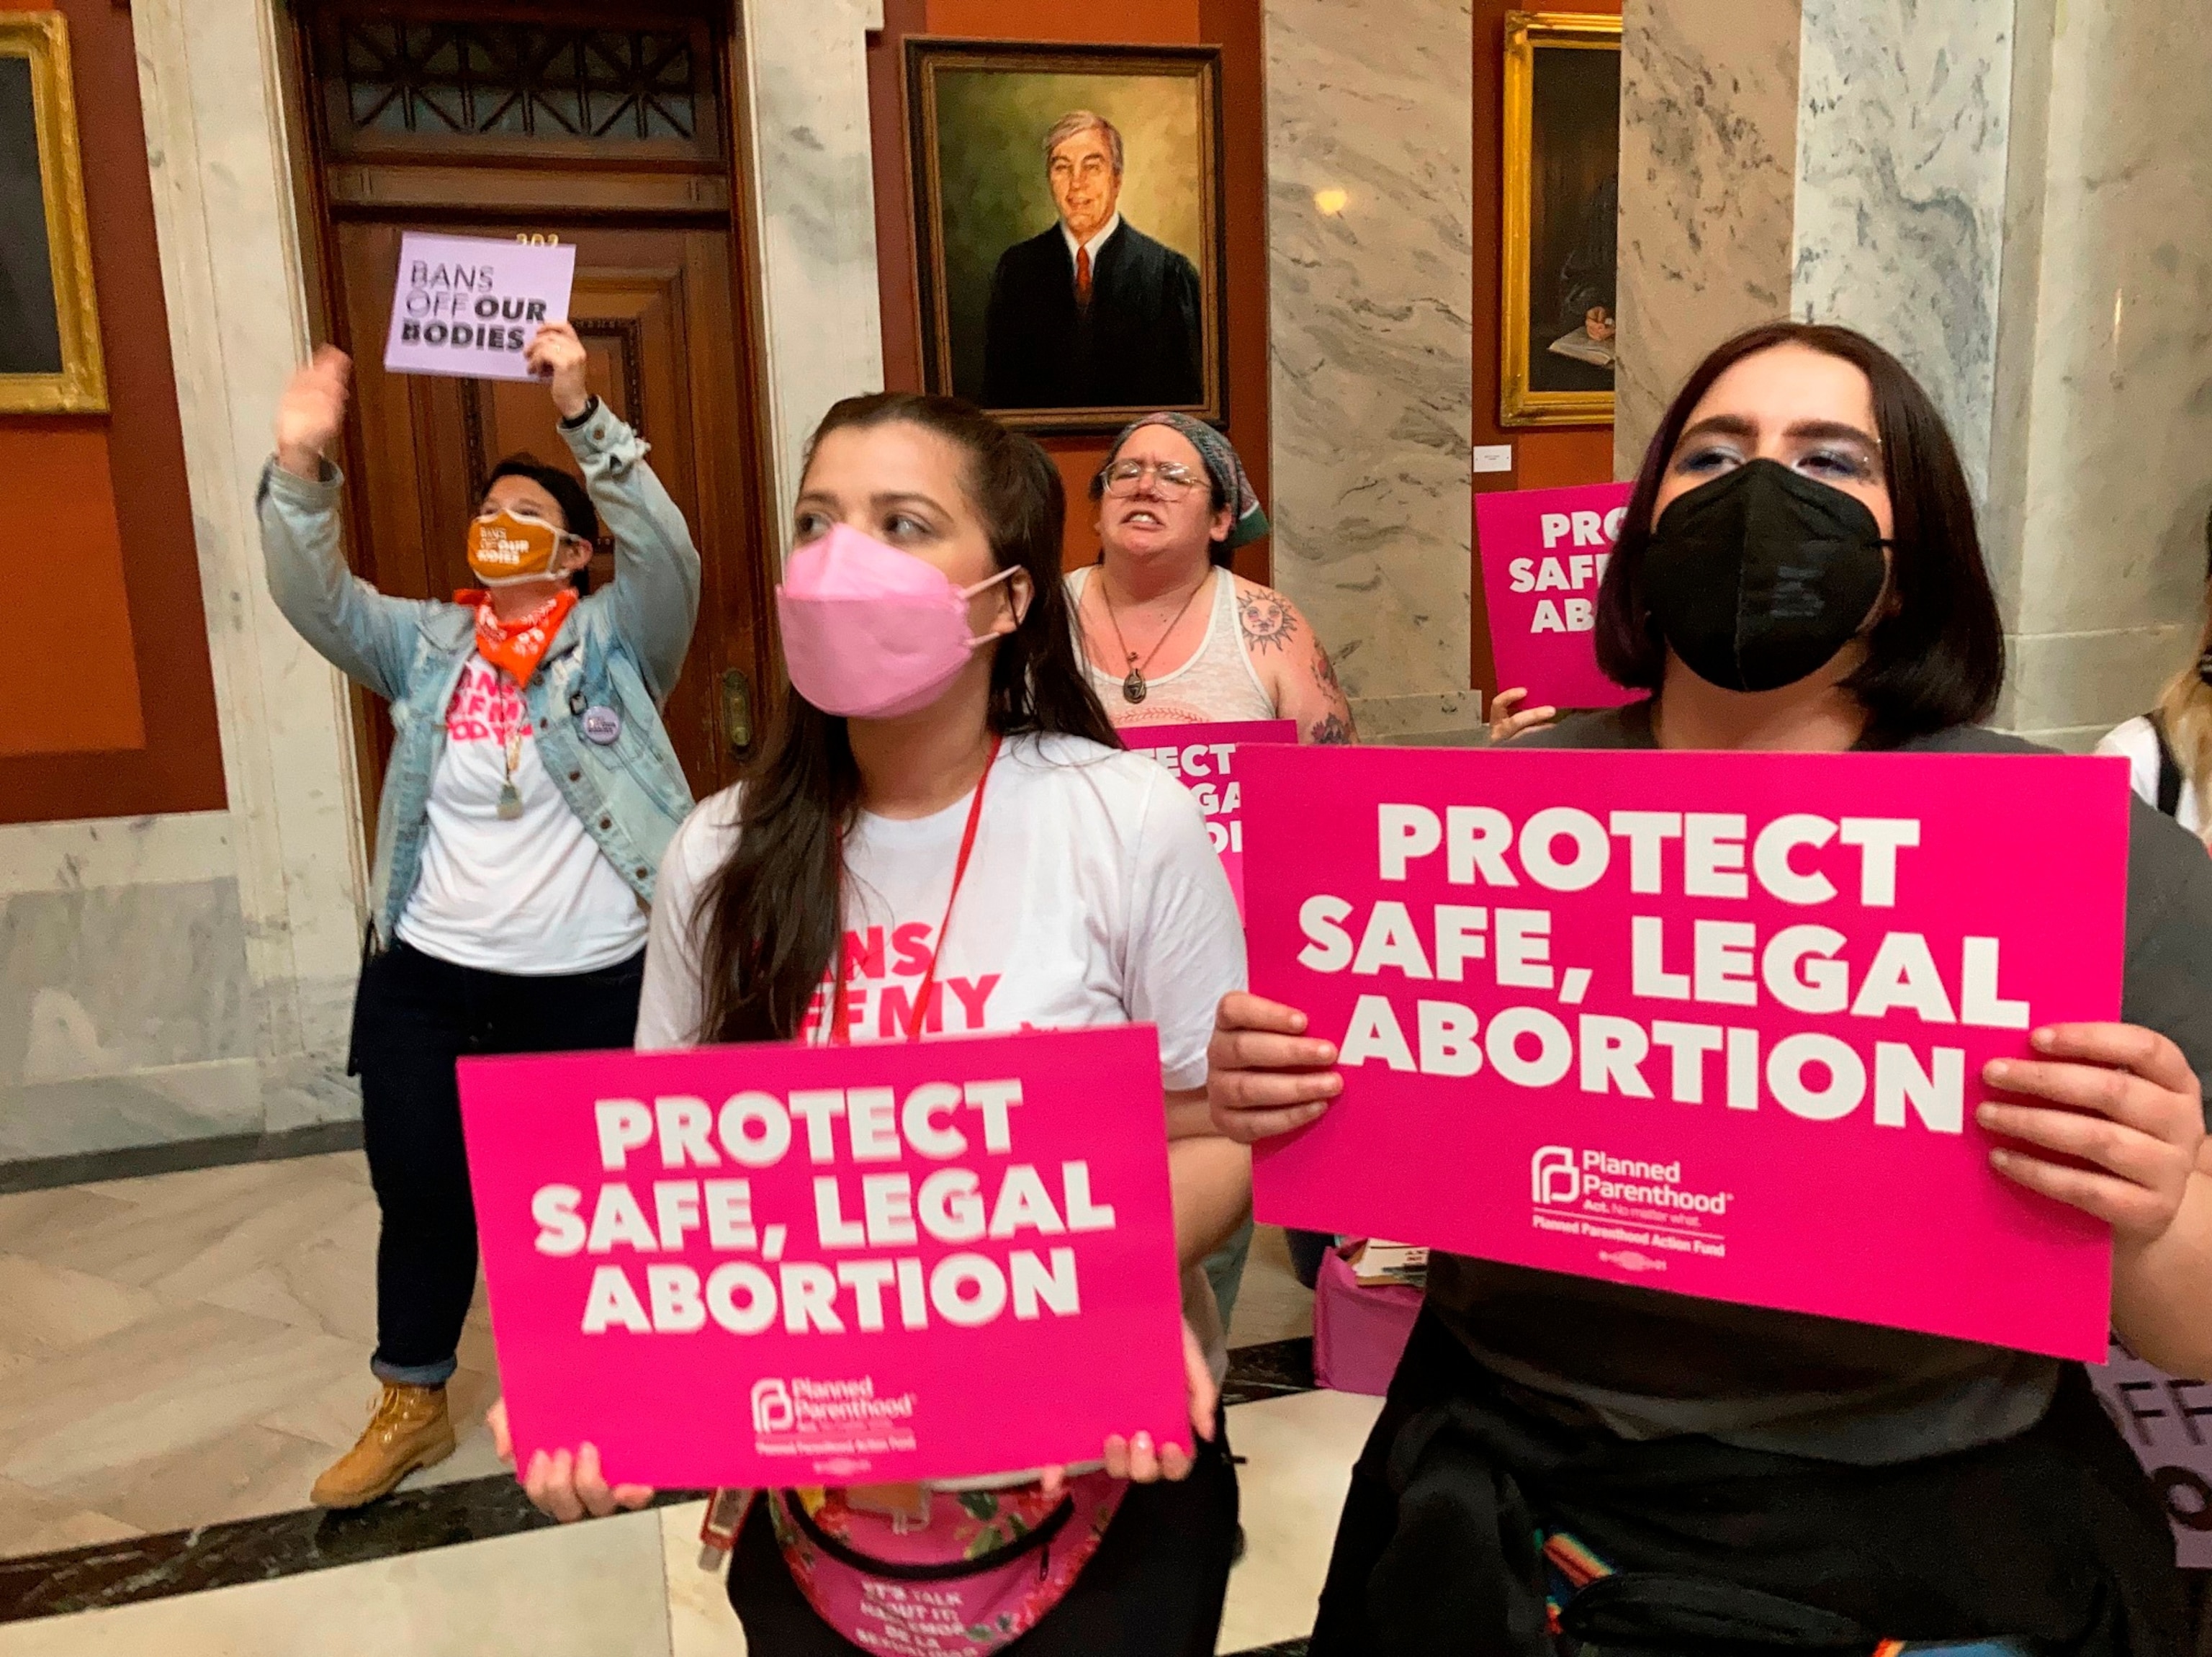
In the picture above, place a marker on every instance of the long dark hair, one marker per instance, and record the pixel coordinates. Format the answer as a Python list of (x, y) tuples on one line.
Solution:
[(1937, 658), (774, 912)]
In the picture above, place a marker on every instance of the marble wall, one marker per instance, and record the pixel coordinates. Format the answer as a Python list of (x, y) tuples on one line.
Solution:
[(175, 978), (1903, 109), (2114, 370), (129, 1013), (1371, 272), (1708, 148), (2007, 196), (815, 195)]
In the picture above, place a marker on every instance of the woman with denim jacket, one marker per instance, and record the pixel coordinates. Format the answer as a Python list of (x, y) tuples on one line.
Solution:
[(529, 794)]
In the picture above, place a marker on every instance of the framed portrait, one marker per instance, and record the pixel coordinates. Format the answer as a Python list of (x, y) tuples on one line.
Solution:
[(1557, 324), (1068, 230), (50, 359)]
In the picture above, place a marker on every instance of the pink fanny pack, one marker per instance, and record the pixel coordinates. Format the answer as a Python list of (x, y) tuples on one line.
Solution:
[(980, 1570)]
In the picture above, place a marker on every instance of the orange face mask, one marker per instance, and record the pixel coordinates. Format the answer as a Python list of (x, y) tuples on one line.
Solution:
[(505, 549)]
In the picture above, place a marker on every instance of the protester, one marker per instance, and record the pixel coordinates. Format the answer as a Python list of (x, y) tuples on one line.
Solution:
[(1173, 503), (529, 793), (2169, 749), (943, 772), (1754, 1475), (1170, 634)]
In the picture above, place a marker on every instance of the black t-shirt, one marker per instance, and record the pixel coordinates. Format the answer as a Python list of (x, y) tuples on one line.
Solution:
[(1650, 1365)]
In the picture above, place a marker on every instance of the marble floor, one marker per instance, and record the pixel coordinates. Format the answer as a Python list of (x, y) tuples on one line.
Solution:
[(632, 1584), (180, 1353), (191, 1348)]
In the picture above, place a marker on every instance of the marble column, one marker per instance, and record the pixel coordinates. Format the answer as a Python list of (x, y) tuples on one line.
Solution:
[(1371, 270), (2105, 370), (1708, 152), (815, 207), (2003, 195)]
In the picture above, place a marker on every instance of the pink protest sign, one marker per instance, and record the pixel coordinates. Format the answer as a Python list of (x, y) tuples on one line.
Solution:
[(1543, 553), (1204, 757), (1707, 1022), (2168, 1421), (469, 305), (778, 1265)]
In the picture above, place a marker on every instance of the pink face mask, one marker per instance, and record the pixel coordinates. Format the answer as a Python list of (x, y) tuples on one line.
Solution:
[(871, 632)]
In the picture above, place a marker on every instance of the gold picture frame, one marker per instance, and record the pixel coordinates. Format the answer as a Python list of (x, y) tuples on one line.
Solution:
[(1534, 390), (51, 325), (983, 209)]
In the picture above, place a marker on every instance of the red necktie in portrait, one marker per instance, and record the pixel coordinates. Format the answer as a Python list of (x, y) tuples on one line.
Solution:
[(1083, 276)]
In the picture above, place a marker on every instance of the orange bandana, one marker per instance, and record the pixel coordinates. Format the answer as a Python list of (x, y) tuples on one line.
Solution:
[(517, 646)]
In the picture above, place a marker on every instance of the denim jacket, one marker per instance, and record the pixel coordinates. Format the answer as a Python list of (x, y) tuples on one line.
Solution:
[(621, 649)]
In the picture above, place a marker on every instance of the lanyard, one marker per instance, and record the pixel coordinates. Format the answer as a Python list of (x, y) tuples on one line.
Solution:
[(840, 1030)]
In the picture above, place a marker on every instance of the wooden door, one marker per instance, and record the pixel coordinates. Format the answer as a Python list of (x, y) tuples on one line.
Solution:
[(659, 299)]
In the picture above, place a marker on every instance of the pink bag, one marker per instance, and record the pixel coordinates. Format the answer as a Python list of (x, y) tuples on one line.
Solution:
[(980, 1570), (1359, 1331)]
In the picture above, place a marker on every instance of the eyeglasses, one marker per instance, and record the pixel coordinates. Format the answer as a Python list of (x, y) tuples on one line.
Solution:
[(1173, 481)]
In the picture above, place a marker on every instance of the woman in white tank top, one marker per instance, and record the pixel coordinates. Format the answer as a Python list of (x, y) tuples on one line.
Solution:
[(1171, 635)]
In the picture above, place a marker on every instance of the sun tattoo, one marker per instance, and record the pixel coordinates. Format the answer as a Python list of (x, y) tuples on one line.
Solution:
[(1268, 621)]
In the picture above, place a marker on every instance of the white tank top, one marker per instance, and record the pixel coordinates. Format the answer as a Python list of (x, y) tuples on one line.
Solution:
[(1218, 685)]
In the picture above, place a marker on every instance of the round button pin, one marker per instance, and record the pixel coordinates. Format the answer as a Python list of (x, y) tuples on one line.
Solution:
[(602, 725)]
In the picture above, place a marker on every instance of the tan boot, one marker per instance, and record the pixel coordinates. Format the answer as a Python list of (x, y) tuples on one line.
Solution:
[(410, 1429)]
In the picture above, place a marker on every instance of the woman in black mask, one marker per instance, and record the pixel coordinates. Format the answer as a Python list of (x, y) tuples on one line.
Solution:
[(1798, 570)]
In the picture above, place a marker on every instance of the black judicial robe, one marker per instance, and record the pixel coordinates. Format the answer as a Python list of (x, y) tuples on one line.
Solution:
[(1135, 346)]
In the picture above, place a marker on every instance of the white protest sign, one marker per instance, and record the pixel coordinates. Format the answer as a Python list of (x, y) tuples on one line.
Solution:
[(468, 306)]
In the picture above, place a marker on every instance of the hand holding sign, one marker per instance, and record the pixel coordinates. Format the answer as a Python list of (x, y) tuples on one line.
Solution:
[(557, 354), (1509, 719), (1543, 553), (2128, 1106), (563, 1485)]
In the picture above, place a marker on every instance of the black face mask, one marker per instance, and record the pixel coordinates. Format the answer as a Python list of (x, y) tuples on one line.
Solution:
[(1759, 577)]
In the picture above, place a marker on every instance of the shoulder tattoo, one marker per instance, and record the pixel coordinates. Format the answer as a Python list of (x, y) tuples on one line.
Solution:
[(1268, 622)]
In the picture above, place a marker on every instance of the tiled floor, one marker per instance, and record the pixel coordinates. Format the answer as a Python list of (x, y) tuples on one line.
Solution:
[(190, 1348), (632, 1585)]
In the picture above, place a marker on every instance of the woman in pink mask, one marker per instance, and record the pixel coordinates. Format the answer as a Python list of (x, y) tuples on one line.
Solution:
[(944, 777)]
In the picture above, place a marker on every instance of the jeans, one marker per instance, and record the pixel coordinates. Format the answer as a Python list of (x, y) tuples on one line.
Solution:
[(414, 1016), (1225, 1270)]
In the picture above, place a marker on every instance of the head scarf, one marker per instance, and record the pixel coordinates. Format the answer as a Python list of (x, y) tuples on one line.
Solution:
[(1248, 522)]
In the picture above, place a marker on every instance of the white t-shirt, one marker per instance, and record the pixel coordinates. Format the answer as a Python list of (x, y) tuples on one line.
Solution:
[(533, 896), (2138, 743), (1093, 897)]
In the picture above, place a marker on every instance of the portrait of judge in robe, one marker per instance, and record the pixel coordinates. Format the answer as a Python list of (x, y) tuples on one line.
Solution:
[(1091, 312)]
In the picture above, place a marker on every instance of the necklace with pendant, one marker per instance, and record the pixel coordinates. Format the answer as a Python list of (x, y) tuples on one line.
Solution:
[(510, 798), (1133, 689)]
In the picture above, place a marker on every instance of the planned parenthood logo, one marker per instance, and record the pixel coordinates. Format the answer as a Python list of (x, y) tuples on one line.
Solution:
[(1553, 1179), (772, 1411)]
